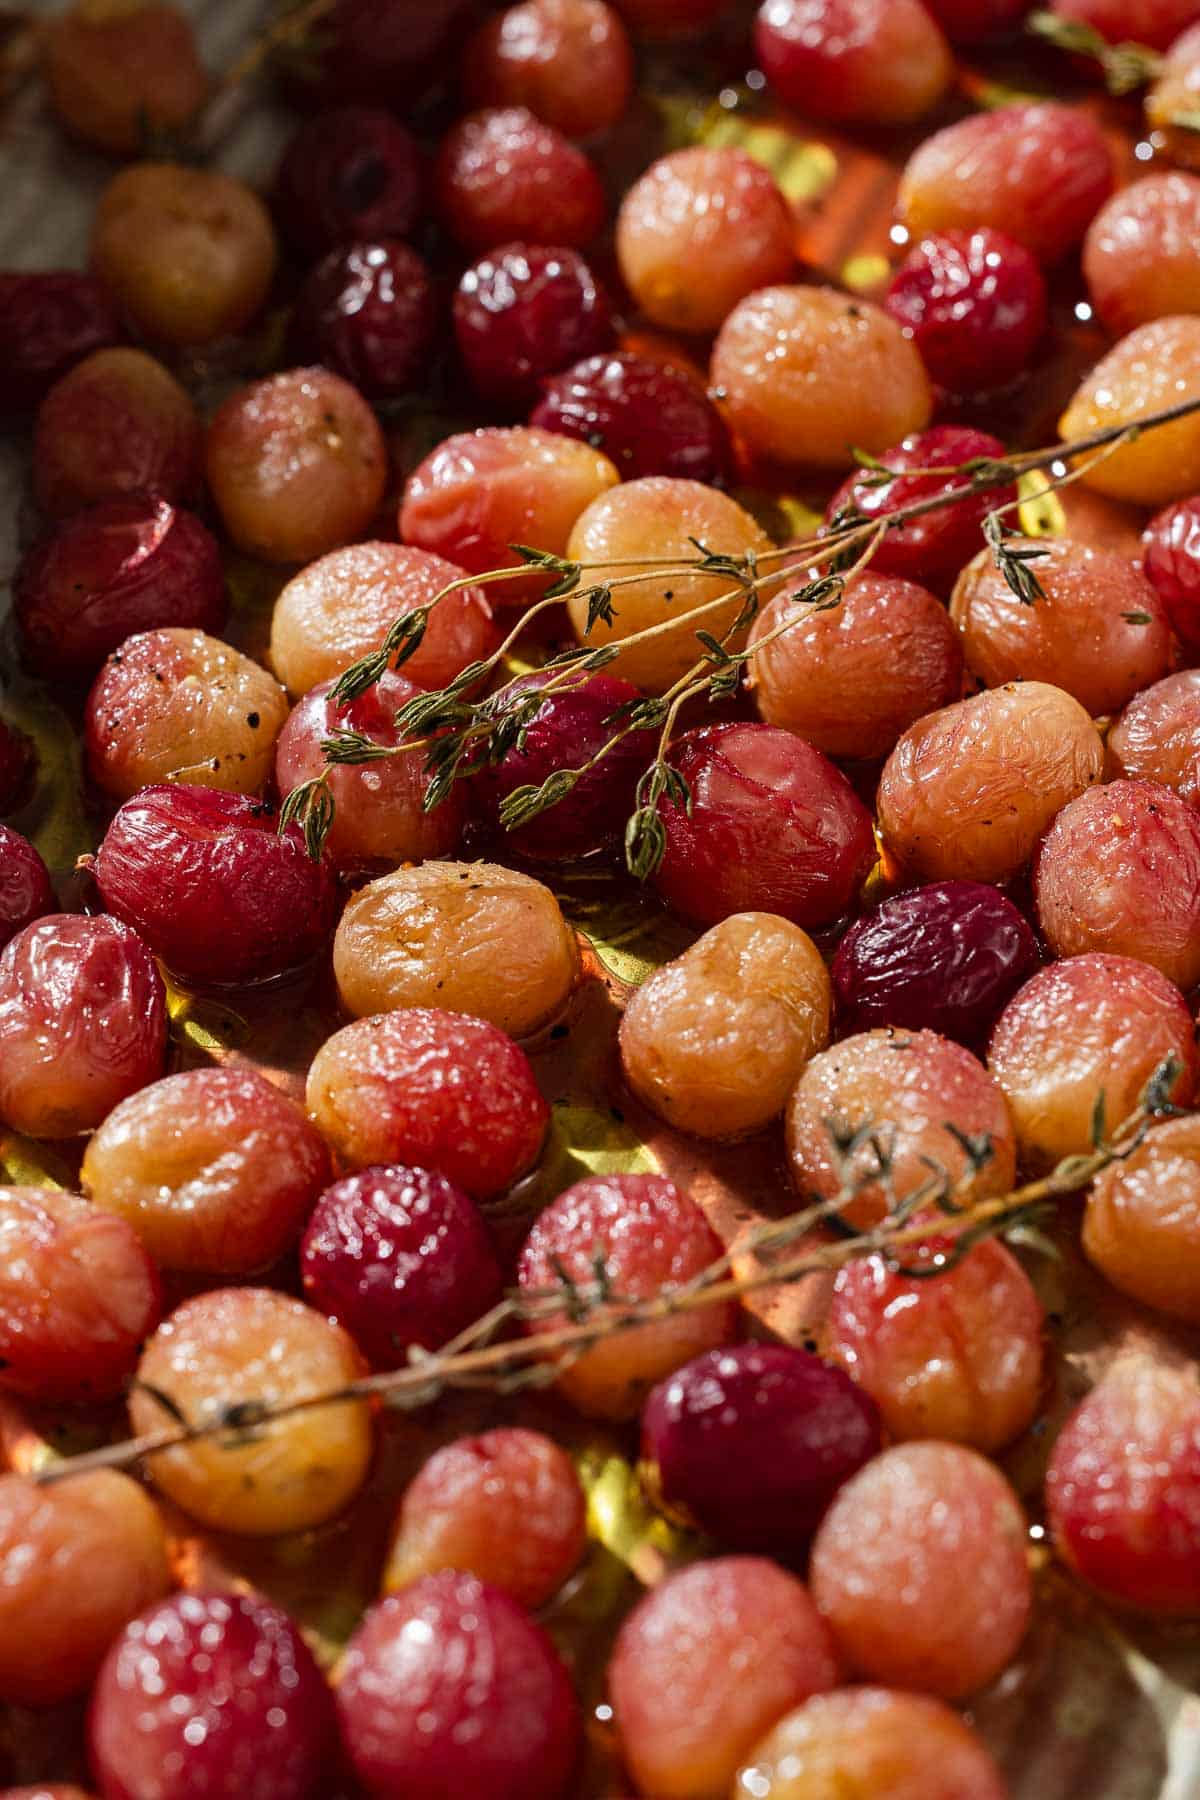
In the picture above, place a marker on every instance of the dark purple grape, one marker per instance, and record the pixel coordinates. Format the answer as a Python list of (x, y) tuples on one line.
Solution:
[(367, 311), (650, 418), (386, 51), (945, 958), (49, 320), (525, 311), (25, 890), (752, 1442), (350, 174)]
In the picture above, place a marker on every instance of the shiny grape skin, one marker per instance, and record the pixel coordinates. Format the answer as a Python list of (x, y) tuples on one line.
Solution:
[(568, 61), (349, 174), (1171, 559), (49, 320), (1142, 1222), (648, 417), (1154, 22), (501, 174), (1152, 366), (975, 305), (523, 312), (865, 62), (1157, 737), (25, 888), (367, 311), (1139, 257), (116, 423)]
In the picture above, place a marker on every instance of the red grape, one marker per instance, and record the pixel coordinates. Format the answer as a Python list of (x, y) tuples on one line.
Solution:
[(1153, 366), (1157, 737), (1171, 558), (649, 417), (501, 174), (1154, 22), (524, 311), (1143, 1214), (974, 303), (115, 423), (1139, 257), (25, 889), (869, 62), (347, 175), (49, 320), (368, 312), (966, 21), (118, 75), (568, 61), (378, 50)]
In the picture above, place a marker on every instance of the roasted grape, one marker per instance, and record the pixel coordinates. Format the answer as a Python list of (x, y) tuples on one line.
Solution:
[(870, 62), (502, 174), (523, 312), (49, 320), (116, 423), (1153, 366), (83, 1022), (255, 1348), (1140, 258), (25, 889), (714, 1041), (213, 1168), (1157, 737), (118, 73), (351, 174), (1171, 559), (974, 303), (649, 418), (368, 312), (652, 1237), (1154, 22), (378, 49), (568, 61), (1087, 1034), (1143, 1220), (1172, 97)]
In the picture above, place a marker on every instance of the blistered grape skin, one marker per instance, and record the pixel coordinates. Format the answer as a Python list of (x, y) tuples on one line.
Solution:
[(506, 1506), (368, 312), (956, 1356), (254, 1345), (1100, 631), (79, 1559), (1119, 872), (188, 254), (1139, 256), (648, 417), (714, 208), (473, 937), (714, 1041), (213, 1168), (523, 312), (502, 174), (177, 705), (116, 423), (916, 1083), (398, 1257), (944, 958), (975, 305), (1171, 560), (118, 74), (341, 606), (803, 374), (752, 1442), (116, 568), (932, 548), (25, 889), (568, 61), (212, 1693), (887, 1570), (1157, 737), (49, 320), (1118, 1018), (1173, 94), (852, 678), (1142, 1223), (432, 1088), (656, 519), (349, 174), (1154, 22), (869, 62), (1152, 367), (1123, 1488), (653, 1237), (78, 1293), (83, 1022), (482, 491), (1038, 172), (684, 1725), (865, 1741), (774, 827), (968, 790)]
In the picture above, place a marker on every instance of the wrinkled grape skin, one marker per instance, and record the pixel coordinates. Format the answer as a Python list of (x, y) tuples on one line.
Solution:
[(352, 173), (114, 424), (1174, 93), (1153, 366), (1100, 631), (653, 1237), (1142, 1224), (255, 1345), (368, 312), (482, 491), (1171, 560), (975, 305), (399, 1257), (523, 312), (956, 1356), (887, 1570), (774, 827), (1139, 257), (568, 61), (918, 1084), (969, 790), (946, 958), (449, 1689), (79, 1559), (49, 320), (1086, 1026), (187, 254), (712, 208), (656, 518), (870, 62), (432, 1088), (213, 1168), (1154, 22), (866, 1742), (211, 885), (25, 889), (932, 548), (752, 1443), (473, 937), (341, 606), (118, 74), (502, 174), (506, 1506), (713, 1042), (215, 1694), (122, 566), (1119, 872), (180, 706), (78, 1294), (852, 678), (296, 464), (684, 1725), (804, 374), (649, 418), (83, 1022), (1157, 737), (1123, 1488)]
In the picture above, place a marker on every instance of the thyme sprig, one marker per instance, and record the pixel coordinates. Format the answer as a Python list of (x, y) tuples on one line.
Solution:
[(1126, 66)]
